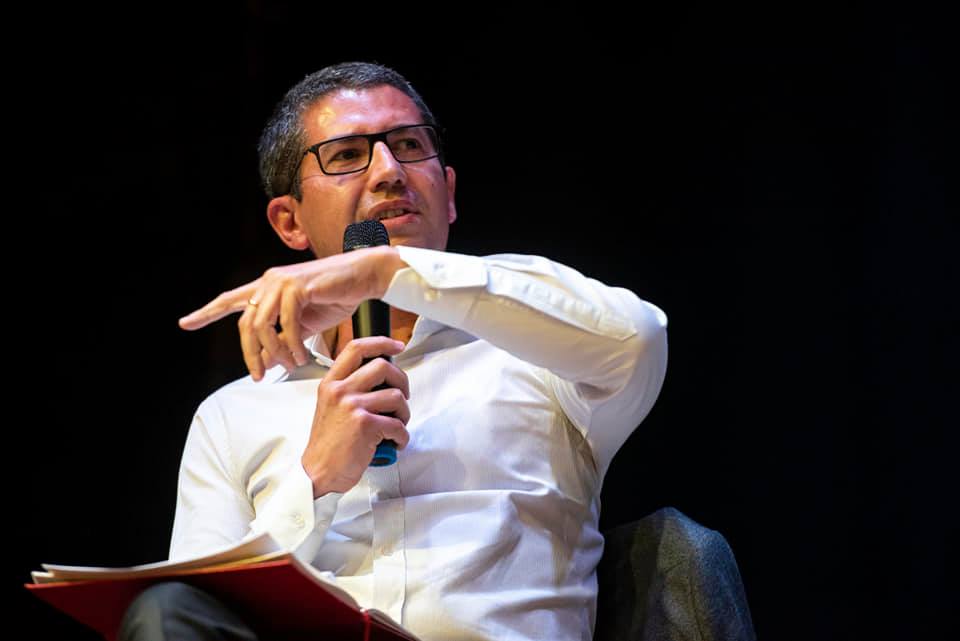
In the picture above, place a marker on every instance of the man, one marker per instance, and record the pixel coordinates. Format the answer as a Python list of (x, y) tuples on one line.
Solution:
[(514, 382)]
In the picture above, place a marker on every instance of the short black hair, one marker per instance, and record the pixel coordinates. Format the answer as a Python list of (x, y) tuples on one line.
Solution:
[(282, 141)]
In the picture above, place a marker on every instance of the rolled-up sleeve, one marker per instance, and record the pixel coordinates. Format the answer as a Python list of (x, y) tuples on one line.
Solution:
[(602, 349)]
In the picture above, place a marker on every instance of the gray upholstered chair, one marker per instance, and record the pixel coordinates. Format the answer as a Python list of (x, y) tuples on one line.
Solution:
[(668, 578)]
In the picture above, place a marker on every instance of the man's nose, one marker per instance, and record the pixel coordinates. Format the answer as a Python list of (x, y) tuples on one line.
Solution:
[(385, 170)]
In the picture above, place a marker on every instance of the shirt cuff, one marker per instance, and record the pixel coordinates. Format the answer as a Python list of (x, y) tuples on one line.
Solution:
[(290, 514), (443, 270)]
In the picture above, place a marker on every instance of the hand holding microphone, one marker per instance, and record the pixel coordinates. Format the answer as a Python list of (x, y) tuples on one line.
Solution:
[(355, 412), (362, 397)]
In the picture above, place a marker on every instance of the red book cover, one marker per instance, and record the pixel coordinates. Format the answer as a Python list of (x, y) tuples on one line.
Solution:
[(280, 599)]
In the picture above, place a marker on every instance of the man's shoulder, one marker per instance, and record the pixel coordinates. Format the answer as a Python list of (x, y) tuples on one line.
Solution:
[(271, 384), (273, 375), (246, 413)]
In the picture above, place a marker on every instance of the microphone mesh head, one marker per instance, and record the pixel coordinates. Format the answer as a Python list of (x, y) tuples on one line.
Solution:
[(367, 233)]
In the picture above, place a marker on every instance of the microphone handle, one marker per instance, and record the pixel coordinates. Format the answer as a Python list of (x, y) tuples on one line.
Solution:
[(372, 318)]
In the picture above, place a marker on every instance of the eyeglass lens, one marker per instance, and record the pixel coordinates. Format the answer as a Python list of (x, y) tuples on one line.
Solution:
[(408, 144)]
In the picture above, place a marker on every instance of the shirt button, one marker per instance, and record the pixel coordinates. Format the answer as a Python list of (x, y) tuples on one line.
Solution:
[(430, 295), (298, 520)]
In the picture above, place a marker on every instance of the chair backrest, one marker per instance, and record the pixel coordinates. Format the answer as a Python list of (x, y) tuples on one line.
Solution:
[(665, 577)]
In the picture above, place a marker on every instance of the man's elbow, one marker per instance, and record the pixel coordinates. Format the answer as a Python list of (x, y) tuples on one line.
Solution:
[(647, 347), (643, 361)]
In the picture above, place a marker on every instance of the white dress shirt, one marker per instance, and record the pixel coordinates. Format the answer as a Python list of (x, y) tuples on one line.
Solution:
[(526, 377)]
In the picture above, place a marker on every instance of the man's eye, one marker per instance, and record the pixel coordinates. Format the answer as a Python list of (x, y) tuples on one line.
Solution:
[(346, 154), (408, 143)]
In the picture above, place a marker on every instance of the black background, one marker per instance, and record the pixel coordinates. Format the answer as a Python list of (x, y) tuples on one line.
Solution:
[(774, 179)]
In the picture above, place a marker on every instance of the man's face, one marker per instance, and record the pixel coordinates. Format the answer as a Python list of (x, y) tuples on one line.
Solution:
[(330, 203)]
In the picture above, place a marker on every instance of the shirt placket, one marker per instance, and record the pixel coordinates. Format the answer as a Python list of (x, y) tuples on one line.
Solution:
[(389, 558)]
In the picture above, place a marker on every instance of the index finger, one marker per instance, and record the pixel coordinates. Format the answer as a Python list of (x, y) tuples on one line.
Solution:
[(235, 300)]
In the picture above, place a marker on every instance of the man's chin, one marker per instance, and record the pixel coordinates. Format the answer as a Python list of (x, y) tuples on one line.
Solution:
[(413, 241)]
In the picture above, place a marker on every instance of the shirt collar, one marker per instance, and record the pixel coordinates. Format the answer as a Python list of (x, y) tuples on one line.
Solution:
[(421, 341)]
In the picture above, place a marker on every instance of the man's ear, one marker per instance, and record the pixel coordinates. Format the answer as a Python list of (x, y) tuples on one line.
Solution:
[(282, 214), (451, 192)]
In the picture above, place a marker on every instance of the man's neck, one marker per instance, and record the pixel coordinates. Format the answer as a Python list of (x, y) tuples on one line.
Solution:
[(401, 328)]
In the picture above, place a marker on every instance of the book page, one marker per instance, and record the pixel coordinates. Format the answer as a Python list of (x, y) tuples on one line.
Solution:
[(80, 591), (42, 577), (250, 550)]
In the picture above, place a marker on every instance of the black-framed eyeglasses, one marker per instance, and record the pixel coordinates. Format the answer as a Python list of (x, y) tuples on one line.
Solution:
[(350, 154)]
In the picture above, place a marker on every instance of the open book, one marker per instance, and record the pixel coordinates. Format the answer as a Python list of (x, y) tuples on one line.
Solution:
[(279, 595)]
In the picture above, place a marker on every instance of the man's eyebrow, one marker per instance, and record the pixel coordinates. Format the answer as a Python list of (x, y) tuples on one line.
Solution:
[(355, 131)]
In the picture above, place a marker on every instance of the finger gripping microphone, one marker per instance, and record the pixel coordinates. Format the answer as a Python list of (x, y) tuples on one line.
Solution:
[(372, 317)]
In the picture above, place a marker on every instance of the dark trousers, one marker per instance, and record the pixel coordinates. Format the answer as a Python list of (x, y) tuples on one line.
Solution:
[(662, 578), (177, 612)]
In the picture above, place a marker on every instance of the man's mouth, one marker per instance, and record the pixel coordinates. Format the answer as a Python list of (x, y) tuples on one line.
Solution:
[(393, 213)]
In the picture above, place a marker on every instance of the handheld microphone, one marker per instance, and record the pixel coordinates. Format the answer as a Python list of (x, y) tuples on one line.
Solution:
[(372, 317)]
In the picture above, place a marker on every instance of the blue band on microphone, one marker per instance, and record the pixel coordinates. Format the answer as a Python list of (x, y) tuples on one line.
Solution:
[(386, 454)]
